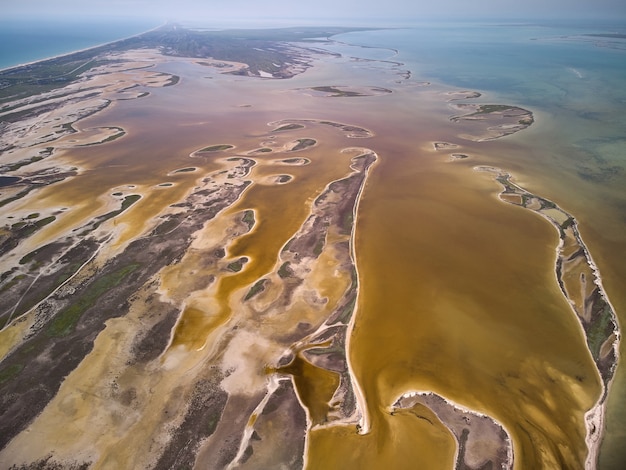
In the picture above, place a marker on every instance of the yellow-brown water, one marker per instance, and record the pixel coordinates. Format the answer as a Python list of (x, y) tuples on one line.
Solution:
[(457, 290)]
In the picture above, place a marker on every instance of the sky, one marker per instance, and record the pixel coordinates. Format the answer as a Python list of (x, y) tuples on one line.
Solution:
[(334, 11)]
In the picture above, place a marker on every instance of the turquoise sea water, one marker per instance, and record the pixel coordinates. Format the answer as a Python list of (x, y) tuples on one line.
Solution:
[(558, 69), (24, 41)]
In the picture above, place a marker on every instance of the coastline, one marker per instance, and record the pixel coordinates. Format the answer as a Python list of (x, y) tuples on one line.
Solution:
[(606, 366), (361, 403), (459, 420), (12, 68)]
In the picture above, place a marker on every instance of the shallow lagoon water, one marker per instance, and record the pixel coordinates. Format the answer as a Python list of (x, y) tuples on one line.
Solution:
[(574, 154), (458, 293)]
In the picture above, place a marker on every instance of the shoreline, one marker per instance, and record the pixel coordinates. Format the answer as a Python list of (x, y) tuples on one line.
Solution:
[(77, 51), (361, 403), (594, 418), (426, 398)]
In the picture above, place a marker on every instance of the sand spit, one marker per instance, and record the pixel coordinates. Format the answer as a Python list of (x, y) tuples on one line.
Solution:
[(462, 95), (581, 284), (445, 146), (341, 91), (482, 442), (501, 120), (349, 130)]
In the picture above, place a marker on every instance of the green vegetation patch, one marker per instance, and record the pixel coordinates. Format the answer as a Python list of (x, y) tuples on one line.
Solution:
[(44, 76), (346, 312), (288, 127), (295, 161), (248, 218), (319, 246), (43, 222), (186, 170), (129, 201), (545, 204), (19, 195), (173, 80), (17, 165), (20, 164), (9, 285), (10, 372), (237, 266), (284, 179), (28, 227), (120, 133), (126, 203), (217, 148), (527, 121), (599, 330), (336, 92), (285, 271), (66, 320), (167, 226), (492, 108), (30, 256), (348, 221), (257, 288), (303, 143)]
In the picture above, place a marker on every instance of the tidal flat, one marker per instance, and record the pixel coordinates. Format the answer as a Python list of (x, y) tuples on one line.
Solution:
[(278, 258)]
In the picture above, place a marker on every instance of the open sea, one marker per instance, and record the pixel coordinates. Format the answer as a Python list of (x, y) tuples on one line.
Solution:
[(28, 41)]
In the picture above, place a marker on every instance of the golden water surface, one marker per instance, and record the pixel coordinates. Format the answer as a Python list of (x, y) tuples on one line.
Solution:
[(457, 291)]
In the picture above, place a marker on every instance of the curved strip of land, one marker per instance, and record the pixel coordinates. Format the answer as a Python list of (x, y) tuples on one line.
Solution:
[(348, 129), (340, 91), (501, 120), (482, 442), (581, 284)]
